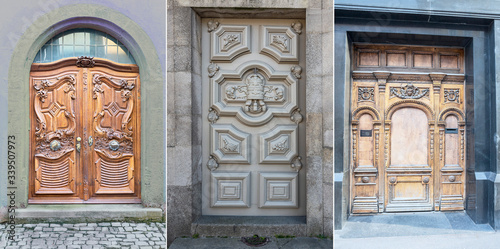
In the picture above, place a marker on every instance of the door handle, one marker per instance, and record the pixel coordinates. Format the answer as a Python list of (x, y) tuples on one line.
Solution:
[(78, 145), (91, 141)]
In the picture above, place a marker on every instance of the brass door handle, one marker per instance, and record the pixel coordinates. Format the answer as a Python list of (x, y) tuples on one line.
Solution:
[(78, 145), (91, 141)]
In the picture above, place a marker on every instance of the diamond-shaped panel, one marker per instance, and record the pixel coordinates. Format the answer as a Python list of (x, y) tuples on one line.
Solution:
[(54, 108), (113, 108)]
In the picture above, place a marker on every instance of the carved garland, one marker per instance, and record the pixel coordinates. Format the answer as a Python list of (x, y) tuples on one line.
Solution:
[(409, 92)]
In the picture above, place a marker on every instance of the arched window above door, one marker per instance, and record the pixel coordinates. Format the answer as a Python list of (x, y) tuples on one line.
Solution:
[(84, 42)]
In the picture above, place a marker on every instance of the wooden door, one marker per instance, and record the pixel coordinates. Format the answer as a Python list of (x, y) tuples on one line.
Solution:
[(85, 132), (407, 129), (253, 87)]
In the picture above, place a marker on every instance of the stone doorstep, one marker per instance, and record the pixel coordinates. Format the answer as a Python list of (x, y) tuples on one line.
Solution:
[(75, 213), (237, 226)]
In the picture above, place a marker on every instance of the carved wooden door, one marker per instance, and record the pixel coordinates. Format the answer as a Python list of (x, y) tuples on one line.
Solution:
[(253, 143), (85, 132), (408, 132)]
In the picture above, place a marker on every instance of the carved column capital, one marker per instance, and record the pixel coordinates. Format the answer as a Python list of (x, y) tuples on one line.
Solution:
[(436, 81), (382, 77)]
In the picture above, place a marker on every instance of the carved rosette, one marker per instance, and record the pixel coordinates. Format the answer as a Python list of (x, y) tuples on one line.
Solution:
[(296, 116), (212, 116), (296, 163), (297, 27), (212, 163), (212, 25), (409, 92), (212, 69), (85, 61), (296, 71)]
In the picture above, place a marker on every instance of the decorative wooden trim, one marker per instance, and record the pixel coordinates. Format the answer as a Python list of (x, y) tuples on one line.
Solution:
[(409, 103), (451, 111), (118, 67), (356, 114)]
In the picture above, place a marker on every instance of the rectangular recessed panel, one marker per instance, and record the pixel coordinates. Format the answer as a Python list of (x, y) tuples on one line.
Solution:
[(422, 60), (369, 58), (396, 59), (230, 189), (449, 61), (278, 190)]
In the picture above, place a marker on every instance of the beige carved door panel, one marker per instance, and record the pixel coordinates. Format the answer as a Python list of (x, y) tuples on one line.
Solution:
[(253, 86), (407, 129), (84, 130)]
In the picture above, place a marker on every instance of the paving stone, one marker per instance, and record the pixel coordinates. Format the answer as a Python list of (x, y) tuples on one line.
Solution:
[(116, 224), (105, 224), (60, 229), (55, 225)]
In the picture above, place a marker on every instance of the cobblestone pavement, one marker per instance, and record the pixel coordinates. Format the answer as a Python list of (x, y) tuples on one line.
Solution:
[(86, 235)]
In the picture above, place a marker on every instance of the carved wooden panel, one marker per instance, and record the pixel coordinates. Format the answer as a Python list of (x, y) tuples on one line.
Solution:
[(408, 129), (408, 58), (114, 127), (253, 134), (84, 122)]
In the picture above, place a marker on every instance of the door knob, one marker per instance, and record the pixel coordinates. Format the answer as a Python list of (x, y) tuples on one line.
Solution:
[(78, 146), (91, 141)]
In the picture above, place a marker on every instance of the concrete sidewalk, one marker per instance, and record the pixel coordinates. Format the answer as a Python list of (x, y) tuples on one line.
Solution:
[(416, 230), (235, 243)]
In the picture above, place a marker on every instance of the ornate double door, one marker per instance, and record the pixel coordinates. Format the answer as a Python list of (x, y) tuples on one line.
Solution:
[(85, 132), (408, 136), (253, 93)]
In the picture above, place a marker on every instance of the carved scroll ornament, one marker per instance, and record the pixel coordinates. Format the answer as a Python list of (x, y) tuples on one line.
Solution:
[(113, 143), (255, 92), (61, 139)]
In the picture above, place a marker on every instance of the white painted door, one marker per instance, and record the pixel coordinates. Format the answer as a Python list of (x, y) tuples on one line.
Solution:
[(253, 134)]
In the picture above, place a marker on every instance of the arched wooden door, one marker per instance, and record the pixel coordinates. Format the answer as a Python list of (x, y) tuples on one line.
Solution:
[(408, 132), (85, 132)]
